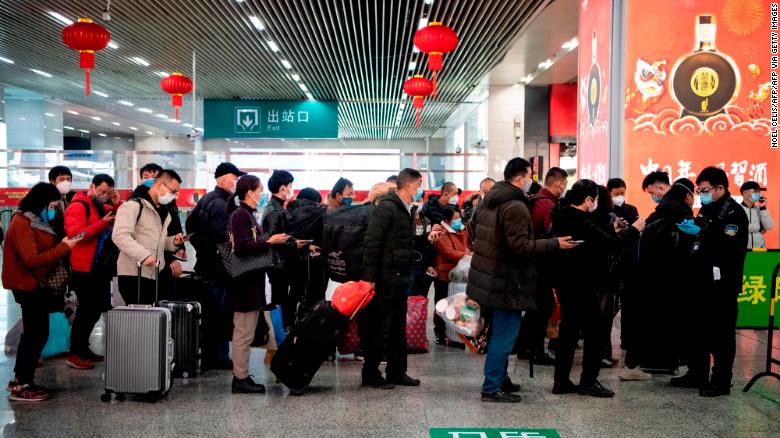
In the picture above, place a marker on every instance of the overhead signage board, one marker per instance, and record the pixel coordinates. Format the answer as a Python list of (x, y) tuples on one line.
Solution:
[(270, 119)]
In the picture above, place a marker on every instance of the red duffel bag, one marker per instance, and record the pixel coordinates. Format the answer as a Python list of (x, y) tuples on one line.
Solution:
[(351, 297)]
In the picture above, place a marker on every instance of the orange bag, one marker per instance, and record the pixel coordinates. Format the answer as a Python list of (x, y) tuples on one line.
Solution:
[(351, 297)]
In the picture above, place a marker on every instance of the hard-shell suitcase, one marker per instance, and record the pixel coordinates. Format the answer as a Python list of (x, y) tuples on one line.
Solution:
[(308, 345), (186, 337), (139, 349)]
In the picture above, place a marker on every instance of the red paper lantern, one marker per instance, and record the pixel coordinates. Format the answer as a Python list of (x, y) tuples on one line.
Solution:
[(418, 87), (86, 37), (176, 84), (435, 40)]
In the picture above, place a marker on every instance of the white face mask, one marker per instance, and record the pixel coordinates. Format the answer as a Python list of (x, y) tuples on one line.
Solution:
[(166, 199), (453, 200), (594, 206), (527, 186), (64, 187), (619, 200)]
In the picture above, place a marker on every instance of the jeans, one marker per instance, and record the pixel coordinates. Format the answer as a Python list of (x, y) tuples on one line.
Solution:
[(93, 291), (382, 327), (35, 317), (506, 326)]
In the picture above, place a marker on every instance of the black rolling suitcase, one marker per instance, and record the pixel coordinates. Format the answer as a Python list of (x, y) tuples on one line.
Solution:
[(308, 345), (186, 337)]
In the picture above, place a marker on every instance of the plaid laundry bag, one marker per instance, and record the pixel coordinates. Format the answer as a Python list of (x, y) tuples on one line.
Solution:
[(416, 324)]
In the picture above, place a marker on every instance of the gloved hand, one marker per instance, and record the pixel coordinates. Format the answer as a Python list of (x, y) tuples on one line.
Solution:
[(688, 227)]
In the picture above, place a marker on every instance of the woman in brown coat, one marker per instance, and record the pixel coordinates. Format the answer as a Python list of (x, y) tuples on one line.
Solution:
[(32, 250)]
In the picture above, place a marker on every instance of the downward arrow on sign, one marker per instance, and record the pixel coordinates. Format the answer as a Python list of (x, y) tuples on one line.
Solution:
[(247, 122)]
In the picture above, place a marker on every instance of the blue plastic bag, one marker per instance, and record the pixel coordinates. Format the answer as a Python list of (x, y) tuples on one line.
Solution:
[(59, 335), (278, 326)]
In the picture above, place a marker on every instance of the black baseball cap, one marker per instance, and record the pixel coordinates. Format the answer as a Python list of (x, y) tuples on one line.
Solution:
[(228, 169), (751, 185)]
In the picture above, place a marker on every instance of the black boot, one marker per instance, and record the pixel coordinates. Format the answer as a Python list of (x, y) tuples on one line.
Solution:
[(247, 386)]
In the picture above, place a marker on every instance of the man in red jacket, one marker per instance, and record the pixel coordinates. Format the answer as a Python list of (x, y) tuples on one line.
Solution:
[(533, 330), (90, 212)]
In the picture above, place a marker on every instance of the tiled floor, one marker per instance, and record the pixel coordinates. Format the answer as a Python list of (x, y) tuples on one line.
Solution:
[(337, 406)]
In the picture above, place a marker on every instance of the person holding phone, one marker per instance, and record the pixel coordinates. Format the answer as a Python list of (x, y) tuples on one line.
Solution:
[(759, 219), (90, 212)]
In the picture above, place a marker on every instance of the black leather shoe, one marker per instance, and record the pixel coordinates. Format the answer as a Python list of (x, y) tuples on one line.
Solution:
[(567, 387), (501, 397), (544, 360), (405, 380), (378, 383), (687, 381), (714, 390), (596, 390), (441, 340), (247, 386), (510, 387)]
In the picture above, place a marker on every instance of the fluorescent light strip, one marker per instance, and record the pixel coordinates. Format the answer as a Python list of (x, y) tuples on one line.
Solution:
[(101, 134), (150, 132), (57, 130), (309, 96), (125, 103), (61, 18), (113, 45), (162, 116), (116, 123), (286, 64), (96, 118), (296, 78), (134, 128), (256, 23), (412, 65), (6, 60), (423, 23), (49, 114), (69, 128), (84, 131), (140, 61), (546, 64), (41, 72), (100, 93), (162, 74), (145, 110), (273, 46), (72, 112), (303, 87)]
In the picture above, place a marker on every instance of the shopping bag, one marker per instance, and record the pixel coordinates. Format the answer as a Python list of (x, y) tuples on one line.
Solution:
[(460, 313), (59, 335), (350, 343), (278, 326), (416, 324), (460, 273), (351, 297)]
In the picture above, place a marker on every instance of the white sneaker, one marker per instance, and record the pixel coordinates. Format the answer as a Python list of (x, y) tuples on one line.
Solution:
[(635, 374)]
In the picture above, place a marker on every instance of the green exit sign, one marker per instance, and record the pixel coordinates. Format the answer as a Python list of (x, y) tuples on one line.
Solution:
[(494, 433), (270, 119)]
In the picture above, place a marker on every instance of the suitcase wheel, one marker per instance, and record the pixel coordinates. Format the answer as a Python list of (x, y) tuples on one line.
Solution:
[(105, 398), (120, 397)]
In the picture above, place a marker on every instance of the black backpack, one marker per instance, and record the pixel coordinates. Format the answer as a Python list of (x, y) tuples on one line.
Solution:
[(109, 255), (342, 245)]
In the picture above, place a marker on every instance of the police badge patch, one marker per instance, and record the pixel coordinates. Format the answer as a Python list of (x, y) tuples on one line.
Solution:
[(731, 230)]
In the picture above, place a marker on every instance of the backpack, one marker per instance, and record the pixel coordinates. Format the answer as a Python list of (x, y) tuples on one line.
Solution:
[(342, 245), (109, 255), (306, 222)]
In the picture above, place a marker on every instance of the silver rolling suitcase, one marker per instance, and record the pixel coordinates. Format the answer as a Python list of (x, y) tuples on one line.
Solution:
[(139, 349)]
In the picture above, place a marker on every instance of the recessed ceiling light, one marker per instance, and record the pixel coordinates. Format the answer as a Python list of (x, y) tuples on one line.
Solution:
[(546, 64), (100, 93), (296, 78), (116, 123), (256, 23), (125, 103), (6, 60), (72, 112), (61, 18), (571, 44), (40, 72), (189, 125), (140, 61), (309, 96), (150, 132), (162, 74), (69, 128), (303, 87), (162, 116), (49, 114), (134, 128), (84, 131), (101, 134), (113, 45), (95, 118), (423, 23), (428, 2), (286, 64), (412, 65), (145, 110), (273, 46)]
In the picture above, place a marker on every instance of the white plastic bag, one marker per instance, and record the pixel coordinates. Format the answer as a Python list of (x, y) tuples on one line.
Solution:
[(460, 313), (460, 274)]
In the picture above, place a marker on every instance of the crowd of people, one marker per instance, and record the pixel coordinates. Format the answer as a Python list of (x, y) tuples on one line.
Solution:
[(532, 247)]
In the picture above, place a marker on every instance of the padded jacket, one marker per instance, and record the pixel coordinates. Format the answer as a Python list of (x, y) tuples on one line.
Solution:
[(31, 250), (137, 240), (388, 247)]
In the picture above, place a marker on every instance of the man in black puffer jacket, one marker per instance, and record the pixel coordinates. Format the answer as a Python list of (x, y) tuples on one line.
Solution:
[(388, 255), (305, 215), (503, 271)]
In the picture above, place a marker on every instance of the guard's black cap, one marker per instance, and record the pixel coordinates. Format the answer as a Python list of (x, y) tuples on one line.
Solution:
[(228, 169)]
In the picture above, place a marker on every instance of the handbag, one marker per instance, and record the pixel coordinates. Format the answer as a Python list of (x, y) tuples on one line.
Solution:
[(55, 284), (236, 265)]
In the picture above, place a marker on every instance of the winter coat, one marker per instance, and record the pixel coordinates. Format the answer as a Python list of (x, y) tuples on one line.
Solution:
[(434, 211), (306, 220), (542, 206), (31, 250), (174, 227), (209, 221), (627, 212), (140, 236), (77, 220), (342, 245), (759, 221), (275, 222), (503, 267), (724, 239), (450, 248), (469, 208), (388, 247), (246, 293)]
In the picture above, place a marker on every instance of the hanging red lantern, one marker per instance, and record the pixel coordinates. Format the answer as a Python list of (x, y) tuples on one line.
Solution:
[(419, 88), (86, 37), (176, 84), (436, 40)]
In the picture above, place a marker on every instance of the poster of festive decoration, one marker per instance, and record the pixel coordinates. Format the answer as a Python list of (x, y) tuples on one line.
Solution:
[(697, 88), (593, 95)]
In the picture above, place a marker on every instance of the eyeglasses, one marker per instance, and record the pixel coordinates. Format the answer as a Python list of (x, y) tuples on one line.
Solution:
[(706, 190), (175, 192)]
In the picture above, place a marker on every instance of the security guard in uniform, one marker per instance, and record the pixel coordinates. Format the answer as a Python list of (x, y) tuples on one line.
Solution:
[(719, 252)]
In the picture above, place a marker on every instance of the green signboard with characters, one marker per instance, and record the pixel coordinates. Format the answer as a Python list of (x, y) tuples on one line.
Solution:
[(755, 299), (494, 433), (270, 119)]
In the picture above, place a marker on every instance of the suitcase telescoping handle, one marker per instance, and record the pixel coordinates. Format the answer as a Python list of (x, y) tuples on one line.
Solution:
[(156, 281), (360, 306)]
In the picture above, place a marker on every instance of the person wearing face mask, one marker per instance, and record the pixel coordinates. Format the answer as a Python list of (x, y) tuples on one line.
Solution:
[(720, 255), (759, 219), (623, 210), (306, 215), (656, 183), (434, 208), (141, 235), (578, 291), (471, 203), (343, 193), (91, 212), (450, 248), (209, 223), (62, 178)]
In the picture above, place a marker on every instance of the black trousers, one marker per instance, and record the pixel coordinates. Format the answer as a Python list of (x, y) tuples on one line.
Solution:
[(382, 326), (128, 287), (631, 325), (441, 290), (281, 295), (35, 317), (581, 312), (533, 329), (308, 285), (716, 336), (93, 291)]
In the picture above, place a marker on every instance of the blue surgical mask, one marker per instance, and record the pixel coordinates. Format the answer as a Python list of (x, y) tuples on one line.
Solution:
[(149, 182), (457, 224), (419, 194), (48, 215), (755, 197), (706, 198), (657, 199), (263, 200), (346, 201)]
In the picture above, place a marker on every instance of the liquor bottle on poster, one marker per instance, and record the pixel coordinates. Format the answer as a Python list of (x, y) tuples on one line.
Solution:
[(704, 81), (594, 83)]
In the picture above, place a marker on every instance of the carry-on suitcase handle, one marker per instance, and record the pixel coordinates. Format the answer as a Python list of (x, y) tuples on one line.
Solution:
[(156, 284), (358, 307)]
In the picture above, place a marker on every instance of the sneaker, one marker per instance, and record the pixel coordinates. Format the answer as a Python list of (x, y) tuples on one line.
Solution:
[(567, 387), (595, 390), (246, 386), (713, 390), (94, 357), (28, 393), (687, 381), (634, 374), (78, 363), (405, 380), (510, 387), (501, 397)]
